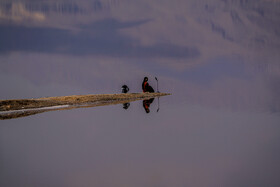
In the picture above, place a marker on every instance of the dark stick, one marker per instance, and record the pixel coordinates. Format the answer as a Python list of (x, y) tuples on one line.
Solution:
[(158, 104), (158, 92), (157, 84)]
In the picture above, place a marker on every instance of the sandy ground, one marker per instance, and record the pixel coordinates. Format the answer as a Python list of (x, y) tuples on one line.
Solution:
[(24, 107)]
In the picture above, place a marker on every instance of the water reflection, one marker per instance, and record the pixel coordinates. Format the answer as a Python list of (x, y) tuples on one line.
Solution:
[(147, 103), (126, 106)]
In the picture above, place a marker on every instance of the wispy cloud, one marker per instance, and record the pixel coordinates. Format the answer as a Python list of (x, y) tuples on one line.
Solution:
[(101, 38), (17, 12)]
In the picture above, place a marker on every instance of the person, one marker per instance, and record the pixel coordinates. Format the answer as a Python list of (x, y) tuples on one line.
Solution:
[(125, 89), (146, 87)]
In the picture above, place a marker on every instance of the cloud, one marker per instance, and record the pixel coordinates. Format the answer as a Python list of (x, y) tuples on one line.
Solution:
[(17, 12), (100, 38)]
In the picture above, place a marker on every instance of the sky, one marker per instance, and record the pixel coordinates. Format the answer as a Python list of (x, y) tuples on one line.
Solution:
[(120, 41)]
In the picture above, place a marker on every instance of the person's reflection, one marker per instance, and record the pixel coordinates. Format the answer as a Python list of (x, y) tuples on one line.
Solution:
[(147, 103), (126, 106)]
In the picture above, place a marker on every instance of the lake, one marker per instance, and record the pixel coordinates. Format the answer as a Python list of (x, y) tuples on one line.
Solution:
[(218, 59)]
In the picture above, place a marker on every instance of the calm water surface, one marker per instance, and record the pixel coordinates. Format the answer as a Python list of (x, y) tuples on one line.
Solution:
[(220, 61)]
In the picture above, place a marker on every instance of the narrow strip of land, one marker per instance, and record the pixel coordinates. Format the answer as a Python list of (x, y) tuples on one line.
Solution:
[(19, 104), (10, 109)]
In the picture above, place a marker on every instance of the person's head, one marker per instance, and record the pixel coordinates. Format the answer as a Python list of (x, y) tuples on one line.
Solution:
[(125, 89), (145, 79)]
